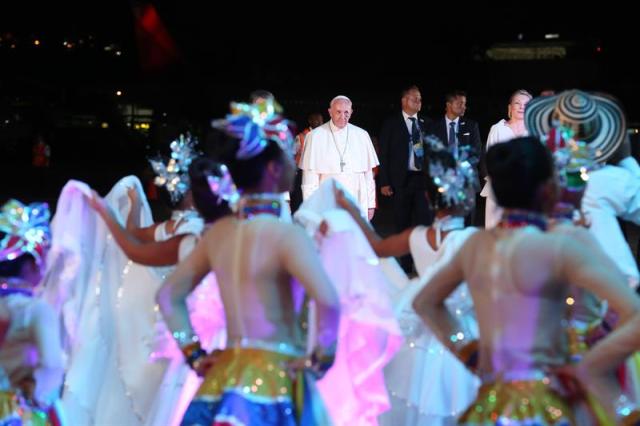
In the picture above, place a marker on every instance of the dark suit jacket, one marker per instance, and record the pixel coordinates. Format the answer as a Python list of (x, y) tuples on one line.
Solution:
[(394, 150), (468, 135)]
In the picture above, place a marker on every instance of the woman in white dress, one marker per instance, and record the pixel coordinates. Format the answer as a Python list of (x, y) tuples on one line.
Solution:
[(427, 385), (119, 349), (166, 391), (115, 332), (503, 131)]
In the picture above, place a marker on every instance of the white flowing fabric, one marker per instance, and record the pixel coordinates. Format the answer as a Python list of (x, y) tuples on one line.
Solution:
[(109, 313), (353, 389), (429, 385), (66, 279), (180, 383), (108, 310)]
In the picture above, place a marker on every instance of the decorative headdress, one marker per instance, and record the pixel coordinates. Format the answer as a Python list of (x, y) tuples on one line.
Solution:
[(458, 182), (173, 175), (573, 159), (26, 229), (255, 124), (223, 186)]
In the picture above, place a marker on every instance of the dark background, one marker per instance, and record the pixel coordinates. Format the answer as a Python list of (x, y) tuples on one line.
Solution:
[(184, 61)]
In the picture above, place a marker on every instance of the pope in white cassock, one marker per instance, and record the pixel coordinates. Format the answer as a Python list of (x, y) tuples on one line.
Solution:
[(341, 151)]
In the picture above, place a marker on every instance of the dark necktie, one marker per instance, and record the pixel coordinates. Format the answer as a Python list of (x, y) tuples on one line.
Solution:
[(415, 138), (452, 134), (453, 144)]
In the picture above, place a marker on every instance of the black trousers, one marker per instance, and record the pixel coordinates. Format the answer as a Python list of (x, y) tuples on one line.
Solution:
[(411, 208), (296, 193)]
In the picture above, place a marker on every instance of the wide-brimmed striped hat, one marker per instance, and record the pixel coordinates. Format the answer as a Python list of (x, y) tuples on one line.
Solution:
[(595, 118)]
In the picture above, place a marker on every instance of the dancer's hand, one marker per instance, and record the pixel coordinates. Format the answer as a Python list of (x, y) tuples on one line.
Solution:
[(132, 193), (297, 364), (24, 381), (579, 381), (97, 203), (317, 366), (571, 382), (202, 365), (582, 220), (321, 361), (133, 219), (27, 388), (323, 229), (468, 354)]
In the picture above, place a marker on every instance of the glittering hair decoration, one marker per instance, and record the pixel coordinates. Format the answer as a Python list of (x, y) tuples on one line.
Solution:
[(573, 159), (173, 174), (26, 229), (255, 124), (223, 187), (457, 184)]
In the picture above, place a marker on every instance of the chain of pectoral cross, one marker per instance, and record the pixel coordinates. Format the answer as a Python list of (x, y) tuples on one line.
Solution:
[(344, 151)]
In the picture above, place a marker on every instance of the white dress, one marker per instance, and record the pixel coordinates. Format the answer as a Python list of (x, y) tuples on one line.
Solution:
[(500, 132), (116, 342), (427, 384), (97, 297)]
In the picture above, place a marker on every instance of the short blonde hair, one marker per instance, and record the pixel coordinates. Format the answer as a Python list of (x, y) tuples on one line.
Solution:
[(520, 92)]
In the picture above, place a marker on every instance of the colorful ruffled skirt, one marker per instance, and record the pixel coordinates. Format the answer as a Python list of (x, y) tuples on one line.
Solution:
[(248, 386), (537, 402), (14, 412), (519, 403)]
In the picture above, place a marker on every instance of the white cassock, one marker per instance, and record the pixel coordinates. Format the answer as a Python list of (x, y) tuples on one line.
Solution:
[(347, 155)]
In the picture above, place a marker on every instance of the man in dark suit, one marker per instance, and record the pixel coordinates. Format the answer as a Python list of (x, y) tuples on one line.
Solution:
[(402, 165), (455, 130)]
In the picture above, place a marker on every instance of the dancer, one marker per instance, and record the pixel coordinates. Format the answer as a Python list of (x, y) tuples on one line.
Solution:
[(31, 362), (248, 382), (518, 275)]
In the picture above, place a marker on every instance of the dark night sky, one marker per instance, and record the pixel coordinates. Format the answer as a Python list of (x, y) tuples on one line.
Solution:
[(305, 61), (315, 56)]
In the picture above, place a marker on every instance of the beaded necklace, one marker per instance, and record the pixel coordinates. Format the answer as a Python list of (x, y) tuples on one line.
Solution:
[(254, 204), (515, 218)]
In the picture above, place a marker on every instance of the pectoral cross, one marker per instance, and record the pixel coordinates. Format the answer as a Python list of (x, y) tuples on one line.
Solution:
[(342, 164)]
